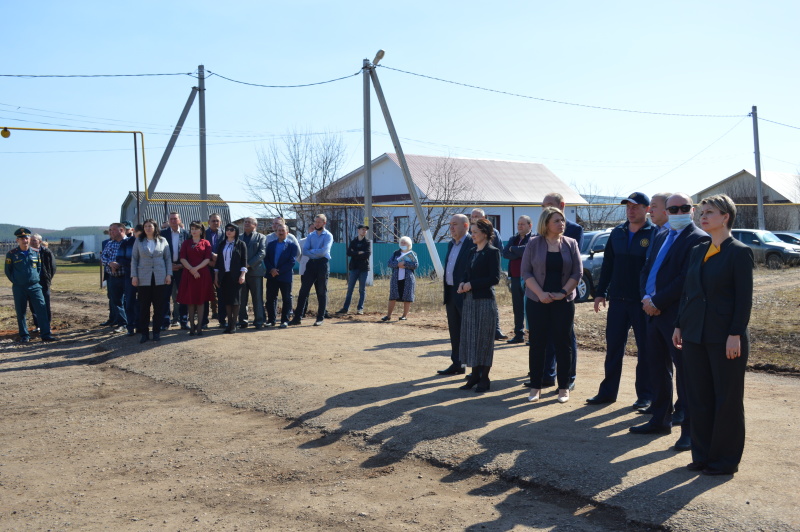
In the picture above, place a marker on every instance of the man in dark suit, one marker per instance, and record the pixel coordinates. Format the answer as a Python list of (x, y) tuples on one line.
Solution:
[(513, 251), (214, 234), (661, 285), (572, 230), (253, 286), (279, 261), (455, 266), (175, 235)]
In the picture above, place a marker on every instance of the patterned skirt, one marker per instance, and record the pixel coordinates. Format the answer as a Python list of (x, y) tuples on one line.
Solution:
[(478, 324)]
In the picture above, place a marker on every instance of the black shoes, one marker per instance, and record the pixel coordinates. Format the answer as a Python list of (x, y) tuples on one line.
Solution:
[(294, 322), (684, 443), (651, 428), (483, 387), (600, 400), (678, 417), (106, 323), (144, 338), (641, 404), (185, 326), (452, 370), (648, 410), (517, 340), (696, 466), (48, 339), (500, 336)]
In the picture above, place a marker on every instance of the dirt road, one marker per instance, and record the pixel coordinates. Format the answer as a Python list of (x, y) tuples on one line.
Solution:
[(343, 427)]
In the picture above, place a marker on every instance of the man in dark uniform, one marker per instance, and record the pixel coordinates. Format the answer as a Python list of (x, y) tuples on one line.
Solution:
[(623, 260), (22, 268), (455, 266)]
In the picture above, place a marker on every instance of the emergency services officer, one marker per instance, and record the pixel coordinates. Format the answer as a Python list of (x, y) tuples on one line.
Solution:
[(22, 269)]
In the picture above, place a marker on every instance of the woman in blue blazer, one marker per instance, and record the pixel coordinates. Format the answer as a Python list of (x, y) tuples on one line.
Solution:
[(711, 329)]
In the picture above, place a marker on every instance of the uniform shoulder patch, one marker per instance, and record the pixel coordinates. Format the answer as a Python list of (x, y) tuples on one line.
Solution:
[(644, 242), (8, 259)]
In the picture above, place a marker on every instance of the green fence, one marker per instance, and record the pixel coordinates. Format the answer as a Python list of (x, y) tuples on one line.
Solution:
[(382, 252)]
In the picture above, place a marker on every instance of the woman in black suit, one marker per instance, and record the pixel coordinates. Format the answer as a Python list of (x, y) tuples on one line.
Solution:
[(479, 316), (711, 329), (231, 267)]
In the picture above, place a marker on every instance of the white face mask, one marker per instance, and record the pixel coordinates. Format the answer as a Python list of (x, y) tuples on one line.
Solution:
[(679, 221), (403, 248)]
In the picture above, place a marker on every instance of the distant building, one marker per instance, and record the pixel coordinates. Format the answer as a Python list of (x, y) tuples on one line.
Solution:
[(504, 189), (776, 187), (162, 203)]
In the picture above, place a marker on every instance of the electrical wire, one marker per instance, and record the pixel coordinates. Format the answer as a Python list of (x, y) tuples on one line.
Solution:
[(283, 86), (517, 95), (779, 123), (93, 75), (693, 156)]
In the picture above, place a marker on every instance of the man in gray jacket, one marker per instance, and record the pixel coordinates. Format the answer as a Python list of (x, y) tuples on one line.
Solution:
[(254, 280)]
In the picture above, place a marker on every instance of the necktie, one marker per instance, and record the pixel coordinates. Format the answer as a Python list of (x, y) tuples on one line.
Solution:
[(650, 287)]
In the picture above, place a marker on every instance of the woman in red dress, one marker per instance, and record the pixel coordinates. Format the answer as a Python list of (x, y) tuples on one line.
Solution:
[(196, 286)]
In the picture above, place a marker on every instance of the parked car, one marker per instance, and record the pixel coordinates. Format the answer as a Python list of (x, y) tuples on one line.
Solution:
[(767, 248), (594, 244), (788, 237)]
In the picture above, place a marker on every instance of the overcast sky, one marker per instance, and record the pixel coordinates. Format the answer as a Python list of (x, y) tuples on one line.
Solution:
[(684, 58)]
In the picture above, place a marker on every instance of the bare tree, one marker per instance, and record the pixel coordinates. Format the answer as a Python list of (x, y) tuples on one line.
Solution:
[(603, 210), (297, 169), (743, 193)]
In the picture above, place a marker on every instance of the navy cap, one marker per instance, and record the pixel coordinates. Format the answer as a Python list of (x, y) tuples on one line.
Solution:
[(362, 226), (22, 231), (127, 223), (637, 198)]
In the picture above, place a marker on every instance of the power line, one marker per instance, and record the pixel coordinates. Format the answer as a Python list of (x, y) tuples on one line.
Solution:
[(695, 155), (779, 123), (191, 74), (281, 86), (517, 95)]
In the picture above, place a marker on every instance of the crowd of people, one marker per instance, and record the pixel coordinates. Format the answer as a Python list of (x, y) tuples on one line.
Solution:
[(686, 291)]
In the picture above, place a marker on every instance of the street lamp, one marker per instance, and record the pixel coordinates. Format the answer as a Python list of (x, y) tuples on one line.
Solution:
[(5, 133), (378, 57)]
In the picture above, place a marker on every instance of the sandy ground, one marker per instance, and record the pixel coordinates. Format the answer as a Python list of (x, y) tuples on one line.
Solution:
[(346, 427)]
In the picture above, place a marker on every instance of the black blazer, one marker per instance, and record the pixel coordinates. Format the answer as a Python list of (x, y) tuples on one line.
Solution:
[(167, 234), (462, 261), (483, 271), (238, 257), (717, 295), (672, 273)]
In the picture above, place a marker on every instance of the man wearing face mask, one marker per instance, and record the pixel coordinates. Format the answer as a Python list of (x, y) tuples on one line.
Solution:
[(661, 285)]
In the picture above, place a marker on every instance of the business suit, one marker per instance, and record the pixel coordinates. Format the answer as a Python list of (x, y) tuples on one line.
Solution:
[(453, 301), (151, 270), (254, 280), (284, 263), (716, 303), (667, 288), (180, 312)]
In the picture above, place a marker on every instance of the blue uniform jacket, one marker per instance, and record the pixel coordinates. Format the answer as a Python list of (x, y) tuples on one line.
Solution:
[(622, 264), (21, 269)]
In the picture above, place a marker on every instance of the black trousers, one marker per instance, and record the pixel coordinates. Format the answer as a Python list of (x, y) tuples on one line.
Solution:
[(454, 306), (316, 275), (518, 304), (285, 288), (152, 296), (550, 323), (715, 386), (662, 355)]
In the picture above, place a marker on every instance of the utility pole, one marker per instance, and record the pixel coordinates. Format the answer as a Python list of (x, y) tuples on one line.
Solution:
[(201, 77), (368, 166), (760, 199), (412, 189)]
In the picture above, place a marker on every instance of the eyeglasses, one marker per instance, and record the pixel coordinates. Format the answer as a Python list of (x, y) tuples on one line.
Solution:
[(682, 208)]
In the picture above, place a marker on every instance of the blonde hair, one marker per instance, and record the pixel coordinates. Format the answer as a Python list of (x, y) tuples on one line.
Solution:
[(544, 219), (723, 204)]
